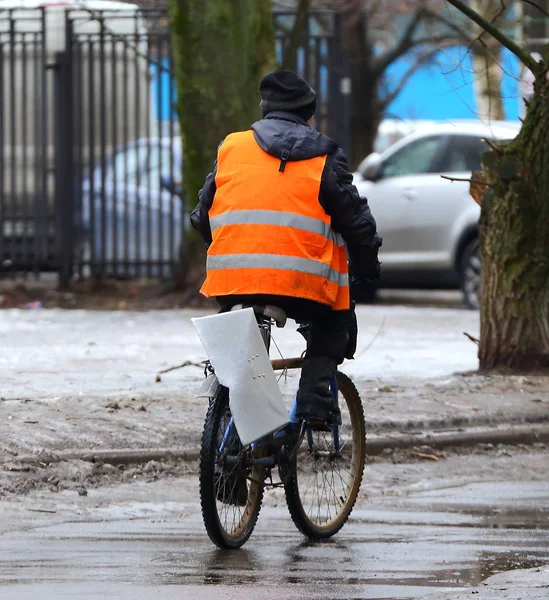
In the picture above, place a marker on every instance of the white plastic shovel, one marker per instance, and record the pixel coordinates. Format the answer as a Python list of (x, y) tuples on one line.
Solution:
[(237, 352)]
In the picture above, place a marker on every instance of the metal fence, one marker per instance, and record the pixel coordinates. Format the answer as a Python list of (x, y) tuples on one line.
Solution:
[(89, 137), (27, 227), (121, 133)]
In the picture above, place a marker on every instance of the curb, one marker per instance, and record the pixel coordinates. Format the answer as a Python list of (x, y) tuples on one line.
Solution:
[(457, 423), (112, 456), (519, 434), (515, 434)]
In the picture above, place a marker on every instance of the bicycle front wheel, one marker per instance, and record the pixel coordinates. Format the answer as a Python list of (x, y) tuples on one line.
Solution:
[(231, 486), (324, 478)]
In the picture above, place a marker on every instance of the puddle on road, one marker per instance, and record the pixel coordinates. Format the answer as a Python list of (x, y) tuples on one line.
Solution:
[(461, 548), (491, 565), (535, 518), (243, 568), (404, 552)]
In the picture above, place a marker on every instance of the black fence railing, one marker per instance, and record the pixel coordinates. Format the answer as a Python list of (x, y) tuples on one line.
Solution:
[(123, 130), (27, 215), (89, 137)]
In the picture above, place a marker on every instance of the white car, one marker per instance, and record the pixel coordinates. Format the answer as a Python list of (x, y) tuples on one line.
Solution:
[(131, 222), (391, 131), (430, 224)]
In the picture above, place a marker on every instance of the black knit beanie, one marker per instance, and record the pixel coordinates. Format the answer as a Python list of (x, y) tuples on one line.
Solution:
[(286, 91)]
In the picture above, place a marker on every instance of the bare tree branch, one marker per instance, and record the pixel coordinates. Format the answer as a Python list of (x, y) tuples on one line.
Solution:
[(495, 147), (493, 20), (473, 339), (478, 38), (536, 5), (422, 59), (350, 9), (480, 182), (296, 35), (423, 15), (373, 7), (404, 44), (446, 40), (98, 16), (520, 52), (187, 363), (474, 43), (460, 34), (494, 99)]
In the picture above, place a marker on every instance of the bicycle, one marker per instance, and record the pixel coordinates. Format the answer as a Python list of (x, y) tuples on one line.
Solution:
[(319, 466)]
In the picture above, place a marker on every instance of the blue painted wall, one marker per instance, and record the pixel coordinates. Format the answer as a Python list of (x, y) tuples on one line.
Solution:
[(163, 95), (444, 88)]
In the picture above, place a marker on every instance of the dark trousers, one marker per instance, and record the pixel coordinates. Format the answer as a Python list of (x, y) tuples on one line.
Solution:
[(328, 335)]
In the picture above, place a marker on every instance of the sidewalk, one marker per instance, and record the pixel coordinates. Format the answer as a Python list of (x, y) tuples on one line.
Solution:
[(82, 384)]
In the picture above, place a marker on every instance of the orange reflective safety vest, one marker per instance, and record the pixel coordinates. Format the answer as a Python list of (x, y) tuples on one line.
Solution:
[(270, 232)]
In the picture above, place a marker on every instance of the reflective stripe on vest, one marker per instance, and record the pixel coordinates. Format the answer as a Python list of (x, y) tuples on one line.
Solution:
[(276, 217), (274, 261), (271, 235)]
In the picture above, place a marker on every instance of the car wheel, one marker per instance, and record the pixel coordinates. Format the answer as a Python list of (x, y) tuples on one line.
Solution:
[(471, 275)]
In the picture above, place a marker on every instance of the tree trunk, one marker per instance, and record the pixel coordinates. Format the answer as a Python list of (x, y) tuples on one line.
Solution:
[(366, 113), (514, 235), (220, 52), (365, 109), (487, 65), (487, 82), (299, 30)]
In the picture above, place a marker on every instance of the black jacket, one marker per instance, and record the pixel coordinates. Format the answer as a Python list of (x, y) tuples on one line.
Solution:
[(350, 214)]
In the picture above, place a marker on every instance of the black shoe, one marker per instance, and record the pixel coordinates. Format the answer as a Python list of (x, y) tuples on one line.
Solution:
[(231, 488), (272, 444), (315, 400)]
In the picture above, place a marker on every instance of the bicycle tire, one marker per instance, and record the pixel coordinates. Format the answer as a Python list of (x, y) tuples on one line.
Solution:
[(309, 477), (228, 525)]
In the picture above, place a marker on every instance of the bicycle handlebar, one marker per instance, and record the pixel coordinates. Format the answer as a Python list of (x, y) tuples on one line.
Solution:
[(287, 363)]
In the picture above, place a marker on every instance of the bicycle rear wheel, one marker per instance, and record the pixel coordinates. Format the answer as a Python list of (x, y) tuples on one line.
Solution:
[(231, 489), (323, 482)]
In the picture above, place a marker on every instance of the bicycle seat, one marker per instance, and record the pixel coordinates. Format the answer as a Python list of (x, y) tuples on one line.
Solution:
[(268, 311)]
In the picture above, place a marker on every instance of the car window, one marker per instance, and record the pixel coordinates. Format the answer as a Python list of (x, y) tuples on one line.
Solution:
[(127, 163), (386, 139), (415, 158), (158, 165), (141, 165), (463, 154)]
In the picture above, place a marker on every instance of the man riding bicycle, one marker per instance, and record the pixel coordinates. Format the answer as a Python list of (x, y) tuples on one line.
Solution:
[(282, 219)]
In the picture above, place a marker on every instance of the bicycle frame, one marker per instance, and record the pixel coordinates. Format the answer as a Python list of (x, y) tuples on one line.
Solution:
[(270, 460), (265, 325), (251, 442)]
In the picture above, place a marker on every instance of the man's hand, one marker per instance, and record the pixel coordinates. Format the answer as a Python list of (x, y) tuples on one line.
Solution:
[(364, 266), (352, 332)]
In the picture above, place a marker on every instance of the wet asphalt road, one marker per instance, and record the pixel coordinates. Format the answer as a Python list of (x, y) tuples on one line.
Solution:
[(394, 547)]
